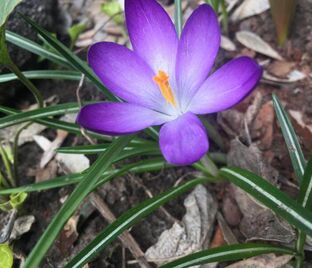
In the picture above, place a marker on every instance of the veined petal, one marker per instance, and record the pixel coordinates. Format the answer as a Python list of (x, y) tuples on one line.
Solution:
[(197, 50), (183, 141), (227, 86), (152, 34), (118, 118), (125, 74)]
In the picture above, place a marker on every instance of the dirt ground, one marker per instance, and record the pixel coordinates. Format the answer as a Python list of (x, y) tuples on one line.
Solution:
[(264, 141)]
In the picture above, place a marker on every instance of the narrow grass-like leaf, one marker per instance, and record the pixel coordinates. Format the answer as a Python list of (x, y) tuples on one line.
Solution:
[(305, 198), (81, 191), (43, 74), (305, 194), (70, 127), (178, 16), (59, 109), (99, 148), (293, 145), (271, 197), (126, 220), (227, 253), (6, 7), (74, 60), (35, 48), (57, 124), (149, 165)]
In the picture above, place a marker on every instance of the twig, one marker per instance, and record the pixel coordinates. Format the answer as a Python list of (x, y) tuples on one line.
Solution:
[(126, 238), (150, 195)]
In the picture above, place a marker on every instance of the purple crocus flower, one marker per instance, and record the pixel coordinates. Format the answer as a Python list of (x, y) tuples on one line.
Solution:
[(164, 80)]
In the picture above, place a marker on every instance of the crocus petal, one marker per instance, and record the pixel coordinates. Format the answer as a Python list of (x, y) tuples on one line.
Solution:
[(152, 34), (183, 141), (227, 86), (125, 74), (118, 118), (197, 50)]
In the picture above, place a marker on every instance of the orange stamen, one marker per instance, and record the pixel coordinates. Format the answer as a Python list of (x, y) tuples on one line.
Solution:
[(162, 80)]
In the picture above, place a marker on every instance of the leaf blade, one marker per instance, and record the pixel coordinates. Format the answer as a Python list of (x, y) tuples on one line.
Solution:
[(271, 197), (73, 201), (291, 139), (126, 220), (226, 253)]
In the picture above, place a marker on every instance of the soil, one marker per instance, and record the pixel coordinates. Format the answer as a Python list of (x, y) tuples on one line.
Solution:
[(127, 191)]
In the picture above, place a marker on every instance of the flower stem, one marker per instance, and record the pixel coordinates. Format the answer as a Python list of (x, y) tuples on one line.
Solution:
[(178, 20)]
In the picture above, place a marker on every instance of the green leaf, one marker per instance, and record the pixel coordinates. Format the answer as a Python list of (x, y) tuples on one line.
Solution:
[(57, 124), (113, 9), (16, 200), (6, 256), (8, 63), (59, 109), (35, 48), (126, 220), (4, 54), (305, 194), (73, 201), (305, 198), (43, 74), (215, 4), (74, 60), (6, 7), (178, 16), (271, 197), (74, 32), (293, 146), (149, 165), (227, 253)]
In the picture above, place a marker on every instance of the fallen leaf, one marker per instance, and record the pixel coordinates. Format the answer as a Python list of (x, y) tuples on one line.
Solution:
[(48, 172), (263, 261), (227, 44), (70, 163), (50, 151), (218, 239), (231, 211), (281, 68), (21, 226), (298, 116), (292, 77), (262, 127), (228, 235), (258, 223), (250, 8), (192, 234), (256, 43), (9, 133)]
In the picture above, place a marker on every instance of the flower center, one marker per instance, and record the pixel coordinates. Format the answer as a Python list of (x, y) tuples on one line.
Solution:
[(162, 80)]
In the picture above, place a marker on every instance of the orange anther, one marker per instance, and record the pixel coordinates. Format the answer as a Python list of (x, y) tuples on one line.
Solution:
[(162, 80)]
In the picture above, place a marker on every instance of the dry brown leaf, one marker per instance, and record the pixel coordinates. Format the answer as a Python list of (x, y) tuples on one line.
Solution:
[(22, 225), (218, 238), (292, 77), (281, 68), (256, 43), (258, 222), (262, 127), (192, 234), (227, 44), (70, 163), (250, 8)]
